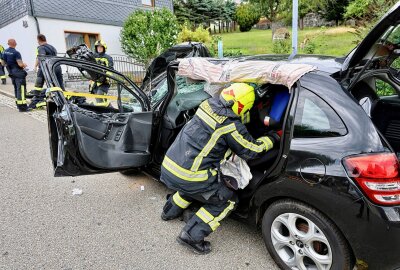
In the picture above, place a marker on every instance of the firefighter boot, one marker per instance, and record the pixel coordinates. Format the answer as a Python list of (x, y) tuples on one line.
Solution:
[(174, 207), (3, 81), (200, 247)]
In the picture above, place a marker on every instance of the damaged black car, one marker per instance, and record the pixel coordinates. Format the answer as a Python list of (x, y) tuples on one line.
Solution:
[(326, 198)]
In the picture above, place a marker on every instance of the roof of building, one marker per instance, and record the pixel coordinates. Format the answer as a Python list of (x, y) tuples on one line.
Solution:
[(94, 11)]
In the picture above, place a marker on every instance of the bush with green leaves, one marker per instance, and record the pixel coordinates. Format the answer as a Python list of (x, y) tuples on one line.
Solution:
[(200, 34), (246, 16), (281, 46), (146, 34)]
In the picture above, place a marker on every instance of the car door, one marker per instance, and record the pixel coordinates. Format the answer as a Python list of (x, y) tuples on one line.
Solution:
[(91, 133), (373, 48)]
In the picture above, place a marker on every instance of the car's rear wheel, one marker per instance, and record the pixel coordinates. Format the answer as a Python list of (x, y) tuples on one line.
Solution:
[(301, 238)]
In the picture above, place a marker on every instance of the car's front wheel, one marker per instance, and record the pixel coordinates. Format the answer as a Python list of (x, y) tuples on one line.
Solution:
[(299, 237)]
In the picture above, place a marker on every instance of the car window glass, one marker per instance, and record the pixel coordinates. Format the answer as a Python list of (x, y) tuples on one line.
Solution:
[(315, 118), (384, 89), (86, 86)]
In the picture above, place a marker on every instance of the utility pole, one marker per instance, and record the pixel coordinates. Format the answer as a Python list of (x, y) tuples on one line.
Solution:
[(295, 20)]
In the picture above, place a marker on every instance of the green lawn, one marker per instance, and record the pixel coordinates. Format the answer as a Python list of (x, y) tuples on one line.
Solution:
[(337, 41)]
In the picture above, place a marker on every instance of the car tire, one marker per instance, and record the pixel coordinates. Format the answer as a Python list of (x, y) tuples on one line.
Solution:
[(286, 231), (130, 172)]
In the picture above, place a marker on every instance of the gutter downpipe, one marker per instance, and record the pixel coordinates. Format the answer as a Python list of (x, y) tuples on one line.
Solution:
[(33, 15), (295, 20)]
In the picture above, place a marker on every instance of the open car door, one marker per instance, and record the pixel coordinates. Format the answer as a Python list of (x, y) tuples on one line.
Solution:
[(90, 132)]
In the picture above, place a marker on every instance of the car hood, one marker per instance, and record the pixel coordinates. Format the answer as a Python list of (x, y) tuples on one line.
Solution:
[(324, 63)]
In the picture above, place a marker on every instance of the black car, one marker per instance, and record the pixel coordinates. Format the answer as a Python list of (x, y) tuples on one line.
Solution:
[(327, 198)]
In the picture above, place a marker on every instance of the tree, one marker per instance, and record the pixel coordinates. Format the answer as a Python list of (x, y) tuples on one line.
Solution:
[(246, 16), (146, 34), (333, 10), (368, 10), (269, 8)]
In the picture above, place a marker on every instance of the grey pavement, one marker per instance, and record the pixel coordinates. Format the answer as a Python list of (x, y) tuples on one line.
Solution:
[(112, 225)]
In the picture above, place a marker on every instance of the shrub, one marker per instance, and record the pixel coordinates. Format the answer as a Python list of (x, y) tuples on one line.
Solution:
[(246, 16), (214, 45), (281, 46), (199, 35), (146, 34)]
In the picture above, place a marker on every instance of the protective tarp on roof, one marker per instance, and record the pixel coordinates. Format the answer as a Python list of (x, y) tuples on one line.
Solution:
[(260, 72)]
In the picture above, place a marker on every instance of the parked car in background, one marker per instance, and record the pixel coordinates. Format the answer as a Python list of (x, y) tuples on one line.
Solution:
[(327, 197)]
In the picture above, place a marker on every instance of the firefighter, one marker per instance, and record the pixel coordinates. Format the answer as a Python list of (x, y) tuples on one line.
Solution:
[(38, 92), (191, 164), (16, 70), (2, 72), (102, 86)]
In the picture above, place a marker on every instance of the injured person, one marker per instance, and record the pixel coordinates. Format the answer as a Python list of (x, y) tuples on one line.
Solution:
[(191, 166)]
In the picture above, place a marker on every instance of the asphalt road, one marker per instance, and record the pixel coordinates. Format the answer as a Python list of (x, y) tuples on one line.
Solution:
[(112, 225)]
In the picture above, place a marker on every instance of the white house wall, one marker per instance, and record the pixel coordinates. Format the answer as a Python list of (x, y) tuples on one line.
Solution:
[(25, 37), (54, 31)]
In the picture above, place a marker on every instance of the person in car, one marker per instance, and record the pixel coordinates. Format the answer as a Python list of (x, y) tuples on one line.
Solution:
[(192, 162)]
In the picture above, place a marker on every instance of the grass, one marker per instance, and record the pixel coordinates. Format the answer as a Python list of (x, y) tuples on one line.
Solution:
[(336, 41)]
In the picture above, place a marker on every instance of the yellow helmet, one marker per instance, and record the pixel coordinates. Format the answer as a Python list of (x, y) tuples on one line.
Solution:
[(100, 43), (240, 97)]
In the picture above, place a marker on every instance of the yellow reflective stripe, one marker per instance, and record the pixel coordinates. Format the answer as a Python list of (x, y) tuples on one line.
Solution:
[(179, 201), (267, 142), (20, 102), (103, 60), (102, 104), (23, 93), (183, 173), (40, 104), (204, 215), (3, 77), (205, 106), (37, 51), (246, 118), (226, 211), (214, 225), (210, 145), (247, 144), (206, 118)]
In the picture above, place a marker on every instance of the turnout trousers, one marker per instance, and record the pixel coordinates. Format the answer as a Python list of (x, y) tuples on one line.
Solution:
[(207, 219), (2, 74), (18, 78)]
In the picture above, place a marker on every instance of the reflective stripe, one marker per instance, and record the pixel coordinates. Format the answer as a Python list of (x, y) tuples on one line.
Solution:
[(210, 145), (267, 142), (79, 94), (20, 102), (101, 60), (212, 221), (3, 77), (247, 144), (179, 201), (38, 88), (208, 110), (226, 211), (246, 118), (204, 215), (206, 118), (23, 93), (183, 173), (40, 104)]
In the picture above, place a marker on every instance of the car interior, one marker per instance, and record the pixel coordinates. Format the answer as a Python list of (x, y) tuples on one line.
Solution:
[(377, 87)]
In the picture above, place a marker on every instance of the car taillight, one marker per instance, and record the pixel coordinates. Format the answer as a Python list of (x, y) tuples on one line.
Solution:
[(377, 175)]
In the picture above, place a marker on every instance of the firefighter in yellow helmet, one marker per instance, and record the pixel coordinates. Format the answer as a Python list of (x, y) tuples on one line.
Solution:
[(101, 86), (192, 162)]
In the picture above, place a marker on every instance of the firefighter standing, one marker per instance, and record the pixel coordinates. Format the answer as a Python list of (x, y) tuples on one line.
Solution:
[(102, 86), (2, 72), (38, 92), (192, 162), (13, 61)]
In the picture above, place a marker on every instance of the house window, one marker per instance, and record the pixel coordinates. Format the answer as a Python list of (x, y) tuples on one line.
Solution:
[(75, 38), (148, 3)]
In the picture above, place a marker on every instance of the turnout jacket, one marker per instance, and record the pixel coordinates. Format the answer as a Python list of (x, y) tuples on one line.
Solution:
[(192, 162)]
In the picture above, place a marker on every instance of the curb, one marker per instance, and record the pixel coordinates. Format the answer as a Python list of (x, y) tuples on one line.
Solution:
[(4, 93)]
